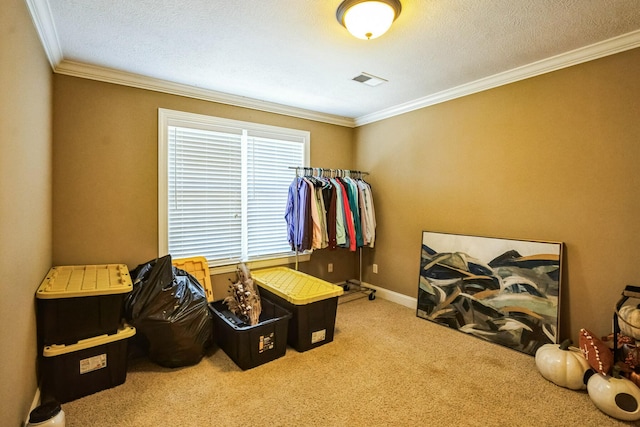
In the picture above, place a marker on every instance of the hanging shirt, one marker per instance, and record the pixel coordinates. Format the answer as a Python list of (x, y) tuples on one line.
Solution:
[(369, 212), (297, 215), (355, 210), (341, 234), (332, 217), (348, 216), (322, 215), (363, 216), (316, 232)]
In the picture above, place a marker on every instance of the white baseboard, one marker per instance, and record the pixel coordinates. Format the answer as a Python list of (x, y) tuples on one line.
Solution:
[(34, 404), (392, 296)]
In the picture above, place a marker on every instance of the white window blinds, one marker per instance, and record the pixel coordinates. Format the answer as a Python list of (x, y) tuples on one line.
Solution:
[(267, 193), (226, 186), (205, 209)]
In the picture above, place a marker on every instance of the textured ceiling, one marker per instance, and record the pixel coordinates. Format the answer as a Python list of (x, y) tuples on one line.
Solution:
[(295, 53)]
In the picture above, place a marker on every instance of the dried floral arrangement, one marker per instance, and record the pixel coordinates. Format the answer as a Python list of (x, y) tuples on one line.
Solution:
[(244, 299)]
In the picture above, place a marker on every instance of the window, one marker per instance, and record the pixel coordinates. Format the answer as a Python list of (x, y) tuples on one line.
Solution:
[(223, 186)]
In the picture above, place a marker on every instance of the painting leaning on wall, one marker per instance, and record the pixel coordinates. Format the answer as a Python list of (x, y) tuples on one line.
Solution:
[(502, 290)]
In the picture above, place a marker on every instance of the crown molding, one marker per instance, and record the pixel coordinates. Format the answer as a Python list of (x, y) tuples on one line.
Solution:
[(588, 53), (93, 72), (43, 21)]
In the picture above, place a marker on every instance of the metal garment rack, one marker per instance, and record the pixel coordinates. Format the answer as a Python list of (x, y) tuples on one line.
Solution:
[(350, 285)]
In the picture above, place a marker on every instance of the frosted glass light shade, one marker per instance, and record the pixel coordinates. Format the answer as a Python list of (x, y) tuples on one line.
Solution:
[(368, 19)]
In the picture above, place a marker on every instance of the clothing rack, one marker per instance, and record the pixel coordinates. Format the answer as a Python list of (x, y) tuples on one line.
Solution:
[(350, 285), (332, 173)]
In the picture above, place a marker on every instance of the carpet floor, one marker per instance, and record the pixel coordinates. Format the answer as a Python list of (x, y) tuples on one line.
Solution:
[(385, 367)]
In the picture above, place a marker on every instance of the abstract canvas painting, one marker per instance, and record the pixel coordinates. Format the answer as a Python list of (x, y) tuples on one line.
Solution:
[(501, 290)]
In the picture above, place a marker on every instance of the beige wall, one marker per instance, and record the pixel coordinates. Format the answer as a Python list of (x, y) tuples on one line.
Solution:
[(105, 170), (25, 208), (553, 158)]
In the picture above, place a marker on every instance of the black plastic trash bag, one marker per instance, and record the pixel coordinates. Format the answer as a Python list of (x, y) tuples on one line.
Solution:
[(169, 310)]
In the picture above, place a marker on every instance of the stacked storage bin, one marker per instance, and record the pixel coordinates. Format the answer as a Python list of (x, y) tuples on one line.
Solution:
[(80, 330), (312, 302)]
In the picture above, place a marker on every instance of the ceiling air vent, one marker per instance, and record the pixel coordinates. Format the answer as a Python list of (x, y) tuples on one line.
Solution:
[(369, 79)]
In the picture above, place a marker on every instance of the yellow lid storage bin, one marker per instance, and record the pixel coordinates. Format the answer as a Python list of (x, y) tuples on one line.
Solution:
[(312, 302), (294, 286), (74, 281), (86, 367), (198, 267), (81, 301)]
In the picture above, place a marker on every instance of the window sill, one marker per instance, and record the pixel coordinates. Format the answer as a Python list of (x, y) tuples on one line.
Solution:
[(263, 263)]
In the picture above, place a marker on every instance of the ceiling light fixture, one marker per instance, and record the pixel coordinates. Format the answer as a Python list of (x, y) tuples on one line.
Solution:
[(368, 19)]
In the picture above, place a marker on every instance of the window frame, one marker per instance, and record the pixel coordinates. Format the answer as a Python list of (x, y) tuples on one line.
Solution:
[(166, 118)]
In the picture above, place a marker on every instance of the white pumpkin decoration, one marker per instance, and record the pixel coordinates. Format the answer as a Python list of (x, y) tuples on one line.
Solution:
[(562, 365), (629, 321), (614, 395)]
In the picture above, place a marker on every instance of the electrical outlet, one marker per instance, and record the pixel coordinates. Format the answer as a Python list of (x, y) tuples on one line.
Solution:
[(330, 267), (375, 268)]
